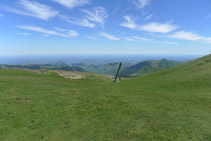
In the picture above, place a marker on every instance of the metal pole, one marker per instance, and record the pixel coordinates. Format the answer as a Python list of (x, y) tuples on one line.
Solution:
[(118, 71)]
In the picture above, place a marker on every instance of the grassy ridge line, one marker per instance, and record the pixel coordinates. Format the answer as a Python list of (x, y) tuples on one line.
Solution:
[(177, 101), (147, 67)]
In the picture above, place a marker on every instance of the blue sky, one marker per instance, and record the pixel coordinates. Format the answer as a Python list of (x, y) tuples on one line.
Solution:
[(105, 27)]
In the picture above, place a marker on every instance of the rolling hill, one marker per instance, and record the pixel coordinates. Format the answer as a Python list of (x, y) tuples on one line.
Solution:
[(107, 69), (172, 104), (127, 70), (147, 67)]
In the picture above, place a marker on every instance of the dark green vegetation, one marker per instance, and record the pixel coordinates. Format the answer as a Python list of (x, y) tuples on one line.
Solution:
[(147, 67), (108, 69), (57, 66), (173, 104)]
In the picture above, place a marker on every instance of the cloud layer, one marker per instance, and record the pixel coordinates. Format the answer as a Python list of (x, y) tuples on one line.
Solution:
[(140, 3), (108, 36), (70, 33), (34, 9), (138, 38), (98, 15), (191, 36), (91, 37), (90, 19), (150, 27), (129, 22), (77, 21), (72, 3), (157, 27)]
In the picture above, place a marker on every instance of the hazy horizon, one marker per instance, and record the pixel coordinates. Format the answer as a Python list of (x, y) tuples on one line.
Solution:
[(96, 59)]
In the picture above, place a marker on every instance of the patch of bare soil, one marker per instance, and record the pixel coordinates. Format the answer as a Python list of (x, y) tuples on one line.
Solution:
[(11, 91), (70, 74), (19, 100), (75, 91)]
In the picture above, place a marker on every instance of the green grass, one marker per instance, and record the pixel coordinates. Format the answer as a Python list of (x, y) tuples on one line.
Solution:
[(173, 104)]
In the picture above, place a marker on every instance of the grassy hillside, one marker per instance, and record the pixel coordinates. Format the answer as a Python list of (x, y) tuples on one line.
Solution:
[(107, 69), (147, 67), (173, 104)]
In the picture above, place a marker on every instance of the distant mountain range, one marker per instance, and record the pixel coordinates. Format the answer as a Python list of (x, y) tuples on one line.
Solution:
[(46, 66), (147, 67), (127, 69), (107, 69)]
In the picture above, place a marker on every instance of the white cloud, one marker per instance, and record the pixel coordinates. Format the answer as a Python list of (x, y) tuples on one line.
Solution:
[(191, 36), (91, 37), (70, 33), (129, 23), (98, 15), (157, 27), (137, 38), (150, 33), (72, 3), (24, 33), (110, 37), (148, 17), (45, 35), (140, 4), (59, 29), (129, 39), (186, 36), (34, 9), (142, 39), (208, 17), (150, 27), (207, 40), (80, 22), (171, 43)]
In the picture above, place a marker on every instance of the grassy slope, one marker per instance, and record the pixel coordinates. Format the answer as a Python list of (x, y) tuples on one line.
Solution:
[(173, 104), (147, 70), (107, 69), (147, 67)]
